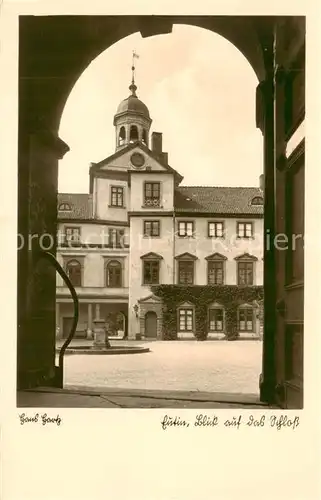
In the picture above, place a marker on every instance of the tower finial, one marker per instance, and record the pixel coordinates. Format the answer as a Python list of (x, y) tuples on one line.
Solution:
[(132, 86)]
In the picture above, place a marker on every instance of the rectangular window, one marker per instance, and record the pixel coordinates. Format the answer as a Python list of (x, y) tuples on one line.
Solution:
[(245, 273), (151, 272), (185, 272), (215, 272), (152, 194), (216, 320), (72, 235), (185, 228), (117, 196), (246, 319), (215, 230), (116, 238), (151, 228), (244, 229), (185, 320)]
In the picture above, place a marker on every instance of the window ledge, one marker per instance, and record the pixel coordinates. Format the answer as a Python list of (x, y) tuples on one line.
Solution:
[(116, 206), (153, 207)]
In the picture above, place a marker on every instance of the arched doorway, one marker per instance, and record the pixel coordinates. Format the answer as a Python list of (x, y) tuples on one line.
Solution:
[(151, 325), (274, 48)]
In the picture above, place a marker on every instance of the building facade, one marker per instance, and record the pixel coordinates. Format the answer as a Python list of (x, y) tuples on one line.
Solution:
[(138, 229)]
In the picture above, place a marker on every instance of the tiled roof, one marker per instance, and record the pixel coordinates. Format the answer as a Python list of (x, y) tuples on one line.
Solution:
[(218, 200), (81, 206), (198, 199)]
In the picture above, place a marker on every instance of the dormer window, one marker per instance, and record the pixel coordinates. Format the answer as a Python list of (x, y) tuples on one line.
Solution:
[(64, 207), (122, 136), (133, 136), (257, 200)]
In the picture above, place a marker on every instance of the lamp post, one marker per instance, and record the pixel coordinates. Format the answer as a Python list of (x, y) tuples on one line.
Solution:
[(137, 335)]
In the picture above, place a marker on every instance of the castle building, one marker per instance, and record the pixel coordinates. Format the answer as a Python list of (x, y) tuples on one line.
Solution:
[(139, 229)]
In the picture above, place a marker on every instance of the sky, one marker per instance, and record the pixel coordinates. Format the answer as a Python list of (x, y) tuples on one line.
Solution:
[(200, 92)]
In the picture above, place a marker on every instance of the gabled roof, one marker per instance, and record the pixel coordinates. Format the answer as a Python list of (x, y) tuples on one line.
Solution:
[(120, 152), (187, 256), (217, 200), (81, 206)]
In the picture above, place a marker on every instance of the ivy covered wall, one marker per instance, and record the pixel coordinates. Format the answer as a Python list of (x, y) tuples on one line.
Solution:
[(230, 296)]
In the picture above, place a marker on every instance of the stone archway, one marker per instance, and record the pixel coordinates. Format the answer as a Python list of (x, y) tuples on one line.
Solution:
[(54, 51)]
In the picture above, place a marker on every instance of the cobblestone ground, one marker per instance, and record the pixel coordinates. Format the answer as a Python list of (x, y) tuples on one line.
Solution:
[(186, 365)]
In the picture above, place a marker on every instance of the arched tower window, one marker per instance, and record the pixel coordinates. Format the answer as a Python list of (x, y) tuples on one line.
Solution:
[(144, 137), (114, 274), (73, 269), (122, 136), (133, 136)]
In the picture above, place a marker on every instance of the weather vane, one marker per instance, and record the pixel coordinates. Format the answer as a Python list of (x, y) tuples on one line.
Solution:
[(133, 87)]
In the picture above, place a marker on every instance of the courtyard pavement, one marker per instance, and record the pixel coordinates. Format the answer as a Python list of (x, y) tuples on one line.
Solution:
[(210, 366)]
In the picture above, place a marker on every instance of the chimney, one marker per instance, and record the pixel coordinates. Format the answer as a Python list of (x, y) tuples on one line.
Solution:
[(261, 181), (157, 143), (164, 157)]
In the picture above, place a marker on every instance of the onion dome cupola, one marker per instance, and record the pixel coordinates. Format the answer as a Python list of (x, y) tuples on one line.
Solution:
[(132, 121)]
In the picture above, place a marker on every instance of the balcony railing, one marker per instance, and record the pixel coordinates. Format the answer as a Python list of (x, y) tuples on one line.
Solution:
[(152, 202)]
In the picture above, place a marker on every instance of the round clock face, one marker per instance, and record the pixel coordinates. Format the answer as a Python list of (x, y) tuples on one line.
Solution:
[(137, 160)]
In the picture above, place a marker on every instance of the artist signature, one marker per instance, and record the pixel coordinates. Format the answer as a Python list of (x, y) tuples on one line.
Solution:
[(40, 418)]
